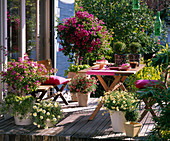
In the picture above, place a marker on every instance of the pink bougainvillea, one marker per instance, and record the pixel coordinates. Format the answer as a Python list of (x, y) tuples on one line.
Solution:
[(83, 35)]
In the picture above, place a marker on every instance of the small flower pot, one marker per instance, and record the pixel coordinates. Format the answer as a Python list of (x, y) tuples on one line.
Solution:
[(74, 97), (120, 59), (132, 128), (83, 99), (27, 120), (71, 74), (135, 58), (133, 64)]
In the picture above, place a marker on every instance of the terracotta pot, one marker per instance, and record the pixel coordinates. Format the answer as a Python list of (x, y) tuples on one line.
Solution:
[(133, 64), (73, 96), (120, 59), (132, 128), (83, 99), (27, 120), (71, 74), (135, 58), (117, 120)]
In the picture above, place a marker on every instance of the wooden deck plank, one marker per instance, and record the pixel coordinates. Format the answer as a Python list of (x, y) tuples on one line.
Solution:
[(75, 127)]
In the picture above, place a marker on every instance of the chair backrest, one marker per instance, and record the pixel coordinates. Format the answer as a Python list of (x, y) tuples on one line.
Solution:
[(167, 72), (47, 63)]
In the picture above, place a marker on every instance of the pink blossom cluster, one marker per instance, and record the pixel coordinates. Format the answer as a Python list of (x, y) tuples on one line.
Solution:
[(83, 84), (125, 65), (23, 76), (82, 34)]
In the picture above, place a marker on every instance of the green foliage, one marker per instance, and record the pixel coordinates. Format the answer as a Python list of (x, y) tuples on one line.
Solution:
[(134, 47), (161, 58), (75, 68), (132, 115), (119, 47), (19, 104), (128, 25)]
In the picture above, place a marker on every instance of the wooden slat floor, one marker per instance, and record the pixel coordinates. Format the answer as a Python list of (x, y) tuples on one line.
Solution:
[(74, 127)]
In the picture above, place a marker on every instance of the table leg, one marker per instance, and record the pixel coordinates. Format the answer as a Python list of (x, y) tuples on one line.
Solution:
[(103, 83), (96, 110)]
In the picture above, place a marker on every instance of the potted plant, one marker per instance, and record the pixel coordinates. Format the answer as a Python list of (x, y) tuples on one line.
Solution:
[(83, 86), (71, 72), (132, 127), (83, 36), (20, 107), (124, 67), (134, 55), (120, 50), (117, 103), (46, 113), (22, 78), (73, 69)]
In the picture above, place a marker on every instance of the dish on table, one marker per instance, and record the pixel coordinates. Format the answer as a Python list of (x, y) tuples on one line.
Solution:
[(123, 69), (114, 68)]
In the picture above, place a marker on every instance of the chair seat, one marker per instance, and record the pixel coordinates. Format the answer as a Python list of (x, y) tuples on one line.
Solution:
[(56, 80), (148, 83)]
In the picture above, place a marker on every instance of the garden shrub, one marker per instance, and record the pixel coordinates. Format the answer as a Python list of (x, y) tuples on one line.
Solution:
[(128, 25)]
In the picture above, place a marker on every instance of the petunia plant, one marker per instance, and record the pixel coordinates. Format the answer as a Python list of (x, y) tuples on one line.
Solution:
[(83, 37), (23, 76)]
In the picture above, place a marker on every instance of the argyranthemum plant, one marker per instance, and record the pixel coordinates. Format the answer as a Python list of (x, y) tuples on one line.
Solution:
[(45, 111), (83, 35), (119, 100)]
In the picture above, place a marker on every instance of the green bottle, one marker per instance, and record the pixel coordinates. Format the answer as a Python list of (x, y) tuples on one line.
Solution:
[(136, 4), (158, 25)]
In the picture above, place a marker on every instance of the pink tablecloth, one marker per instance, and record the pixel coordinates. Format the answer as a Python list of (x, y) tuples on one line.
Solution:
[(101, 72)]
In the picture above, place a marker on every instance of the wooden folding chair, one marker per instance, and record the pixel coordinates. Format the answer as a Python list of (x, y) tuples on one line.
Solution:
[(48, 85), (150, 101)]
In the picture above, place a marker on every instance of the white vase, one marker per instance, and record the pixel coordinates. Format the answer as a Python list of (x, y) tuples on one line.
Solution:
[(83, 99), (73, 96), (117, 120), (27, 120)]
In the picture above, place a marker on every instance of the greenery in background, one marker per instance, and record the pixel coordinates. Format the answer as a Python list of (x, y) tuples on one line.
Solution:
[(147, 73), (128, 25), (162, 58), (75, 68)]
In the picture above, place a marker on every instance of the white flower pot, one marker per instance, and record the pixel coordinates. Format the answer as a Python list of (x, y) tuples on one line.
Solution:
[(27, 120), (117, 120), (83, 99), (73, 96), (49, 124), (132, 128)]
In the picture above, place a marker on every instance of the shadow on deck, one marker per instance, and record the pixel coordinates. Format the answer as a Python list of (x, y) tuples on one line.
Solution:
[(74, 127)]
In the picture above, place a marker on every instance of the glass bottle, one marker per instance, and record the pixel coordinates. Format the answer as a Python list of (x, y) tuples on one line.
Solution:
[(158, 24), (136, 4)]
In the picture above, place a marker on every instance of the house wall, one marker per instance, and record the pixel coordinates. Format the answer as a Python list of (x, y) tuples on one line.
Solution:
[(65, 8)]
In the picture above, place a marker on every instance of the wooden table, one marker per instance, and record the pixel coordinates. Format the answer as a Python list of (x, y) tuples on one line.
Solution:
[(119, 78)]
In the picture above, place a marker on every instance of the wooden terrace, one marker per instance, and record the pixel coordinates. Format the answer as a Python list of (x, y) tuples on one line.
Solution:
[(75, 126)]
